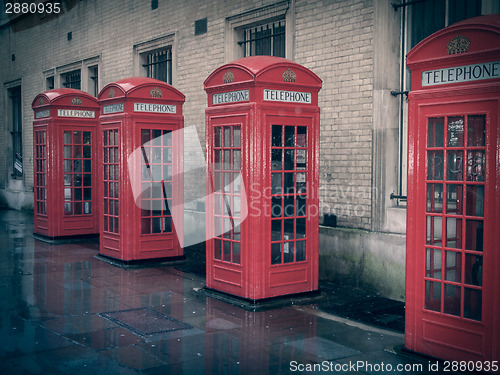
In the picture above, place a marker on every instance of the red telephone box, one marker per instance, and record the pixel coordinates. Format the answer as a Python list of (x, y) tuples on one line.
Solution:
[(64, 150), (453, 235), (141, 182), (262, 134)]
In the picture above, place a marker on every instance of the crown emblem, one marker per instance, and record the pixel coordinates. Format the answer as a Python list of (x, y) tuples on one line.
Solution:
[(228, 77), (289, 75), (111, 92), (458, 44), (76, 101), (40, 102), (156, 93)]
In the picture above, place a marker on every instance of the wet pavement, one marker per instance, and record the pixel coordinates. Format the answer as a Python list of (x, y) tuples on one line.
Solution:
[(64, 311)]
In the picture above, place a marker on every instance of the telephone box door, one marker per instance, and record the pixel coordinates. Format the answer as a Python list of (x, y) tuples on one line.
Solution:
[(453, 217), (455, 229)]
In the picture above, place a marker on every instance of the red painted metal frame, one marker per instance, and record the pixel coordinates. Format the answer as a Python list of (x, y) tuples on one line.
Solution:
[(252, 276), (48, 163), (442, 334), (121, 236)]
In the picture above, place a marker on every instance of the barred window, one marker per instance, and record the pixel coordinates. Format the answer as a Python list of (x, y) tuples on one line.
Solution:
[(265, 39), (72, 80), (158, 65)]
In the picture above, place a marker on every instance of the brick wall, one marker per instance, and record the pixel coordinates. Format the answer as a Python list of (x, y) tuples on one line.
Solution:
[(332, 38)]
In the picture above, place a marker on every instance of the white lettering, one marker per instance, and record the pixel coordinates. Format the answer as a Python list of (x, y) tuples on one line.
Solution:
[(155, 108), (467, 73), (230, 97), (75, 113), (287, 96), (112, 108)]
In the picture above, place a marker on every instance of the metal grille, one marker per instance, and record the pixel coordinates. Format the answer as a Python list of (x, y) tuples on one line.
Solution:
[(17, 131), (159, 65), (72, 80), (268, 39)]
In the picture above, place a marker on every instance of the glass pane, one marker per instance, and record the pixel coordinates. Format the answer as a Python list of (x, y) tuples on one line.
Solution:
[(475, 200), (68, 208), (452, 300), (432, 295), (277, 135), (453, 268), (434, 230), (288, 250), (433, 263), (435, 132), (455, 166), (156, 224), (236, 136), (227, 136), (300, 228), (301, 183), (289, 136), (472, 304), (288, 229), (301, 136), (217, 137), (474, 235), (456, 131), (301, 206), (454, 232), (276, 183), (276, 209), (301, 159), (300, 250), (475, 166), (227, 159), (226, 251), (67, 138), (276, 253), (476, 130), (78, 208), (276, 232), (289, 160), (67, 179), (473, 269), (167, 225), (435, 198), (276, 162), (289, 186), (435, 165), (288, 206), (236, 253), (146, 226), (217, 247), (87, 152), (67, 152), (236, 160), (454, 198)]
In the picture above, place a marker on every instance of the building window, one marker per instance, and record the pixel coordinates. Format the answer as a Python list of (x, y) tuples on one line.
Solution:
[(93, 80), (267, 39), (158, 65), (16, 131), (267, 30), (72, 80), (429, 16)]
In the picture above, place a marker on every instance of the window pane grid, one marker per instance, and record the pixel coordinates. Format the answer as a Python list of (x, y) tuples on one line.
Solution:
[(455, 165), (227, 197), (159, 65), (111, 181), (77, 162), (41, 172), (72, 80), (268, 39), (289, 194), (156, 180)]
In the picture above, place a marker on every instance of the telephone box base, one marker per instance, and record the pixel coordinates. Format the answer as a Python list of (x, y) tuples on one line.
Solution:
[(61, 240), (303, 298), (142, 263)]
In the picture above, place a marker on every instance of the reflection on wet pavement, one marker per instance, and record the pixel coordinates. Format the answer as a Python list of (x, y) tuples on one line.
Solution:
[(56, 317)]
